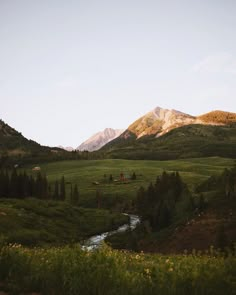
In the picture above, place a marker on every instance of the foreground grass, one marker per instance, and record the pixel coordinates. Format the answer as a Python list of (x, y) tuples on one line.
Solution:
[(35, 222), (84, 173), (70, 270)]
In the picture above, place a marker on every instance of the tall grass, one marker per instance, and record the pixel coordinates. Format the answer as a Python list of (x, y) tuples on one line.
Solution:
[(70, 270)]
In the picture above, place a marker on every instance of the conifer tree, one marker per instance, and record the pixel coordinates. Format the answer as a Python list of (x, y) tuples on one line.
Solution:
[(62, 189), (75, 196), (14, 184), (56, 191)]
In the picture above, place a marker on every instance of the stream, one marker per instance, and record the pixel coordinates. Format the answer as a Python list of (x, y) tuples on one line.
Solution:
[(95, 241)]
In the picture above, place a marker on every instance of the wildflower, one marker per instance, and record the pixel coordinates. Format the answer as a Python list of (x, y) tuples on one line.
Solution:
[(147, 271)]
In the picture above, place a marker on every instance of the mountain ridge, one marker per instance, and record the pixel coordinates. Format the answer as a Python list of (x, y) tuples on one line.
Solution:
[(15, 148), (160, 121), (99, 139), (176, 135)]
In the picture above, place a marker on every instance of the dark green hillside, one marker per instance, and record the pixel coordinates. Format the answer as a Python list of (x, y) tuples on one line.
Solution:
[(183, 142), (13, 141), (16, 149)]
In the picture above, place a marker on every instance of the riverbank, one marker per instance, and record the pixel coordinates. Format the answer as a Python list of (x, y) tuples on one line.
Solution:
[(33, 222), (97, 240)]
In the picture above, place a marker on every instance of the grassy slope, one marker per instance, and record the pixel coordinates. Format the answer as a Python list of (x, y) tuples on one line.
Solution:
[(34, 222), (84, 173)]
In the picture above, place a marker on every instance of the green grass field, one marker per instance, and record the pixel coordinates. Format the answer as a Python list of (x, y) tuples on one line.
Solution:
[(70, 270), (84, 173)]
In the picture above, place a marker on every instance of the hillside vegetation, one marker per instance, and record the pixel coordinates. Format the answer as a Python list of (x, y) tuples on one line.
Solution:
[(16, 149), (173, 220), (183, 142), (218, 117), (34, 222)]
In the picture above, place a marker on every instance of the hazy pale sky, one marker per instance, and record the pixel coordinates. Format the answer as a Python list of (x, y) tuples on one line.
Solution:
[(71, 68)]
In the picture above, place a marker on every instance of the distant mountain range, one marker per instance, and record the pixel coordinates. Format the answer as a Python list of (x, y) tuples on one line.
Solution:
[(170, 134), (99, 139), (67, 148), (160, 121), (160, 134)]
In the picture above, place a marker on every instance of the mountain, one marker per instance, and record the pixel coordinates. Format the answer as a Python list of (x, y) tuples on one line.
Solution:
[(67, 148), (15, 148), (158, 122), (169, 134), (14, 142), (217, 118), (99, 139)]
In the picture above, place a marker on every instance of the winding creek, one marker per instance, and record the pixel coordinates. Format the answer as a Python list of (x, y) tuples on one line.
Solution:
[(95, 241)]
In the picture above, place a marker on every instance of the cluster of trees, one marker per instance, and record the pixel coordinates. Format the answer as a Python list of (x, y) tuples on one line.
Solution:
[(21, 185), (225, 183), (160, 203), (229, 182)]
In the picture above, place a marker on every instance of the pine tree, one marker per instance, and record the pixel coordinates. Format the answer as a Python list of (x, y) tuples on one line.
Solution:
[(39, 185), (2, 184), (151, 193), (44, 187), (221, 238), (110, 178), (56, 191), (14, 184), (141, 199), (62, 189), (75, 196), (133, 177), (6, 184), (164, 218), (31, 186)]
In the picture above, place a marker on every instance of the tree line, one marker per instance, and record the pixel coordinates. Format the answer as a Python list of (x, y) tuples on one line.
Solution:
[(164, 200), (224, 183), (19, 185)]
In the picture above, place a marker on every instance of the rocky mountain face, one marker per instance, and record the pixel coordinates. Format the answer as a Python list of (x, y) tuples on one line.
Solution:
[(99, 139), (169, 134), (160, 121)]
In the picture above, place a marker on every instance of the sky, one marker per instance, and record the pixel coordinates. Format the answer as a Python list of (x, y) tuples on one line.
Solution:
[(69, 69)]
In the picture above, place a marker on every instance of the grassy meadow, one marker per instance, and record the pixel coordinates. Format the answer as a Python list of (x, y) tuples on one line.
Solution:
[(49, 269), (70, 270), (85, 172)]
